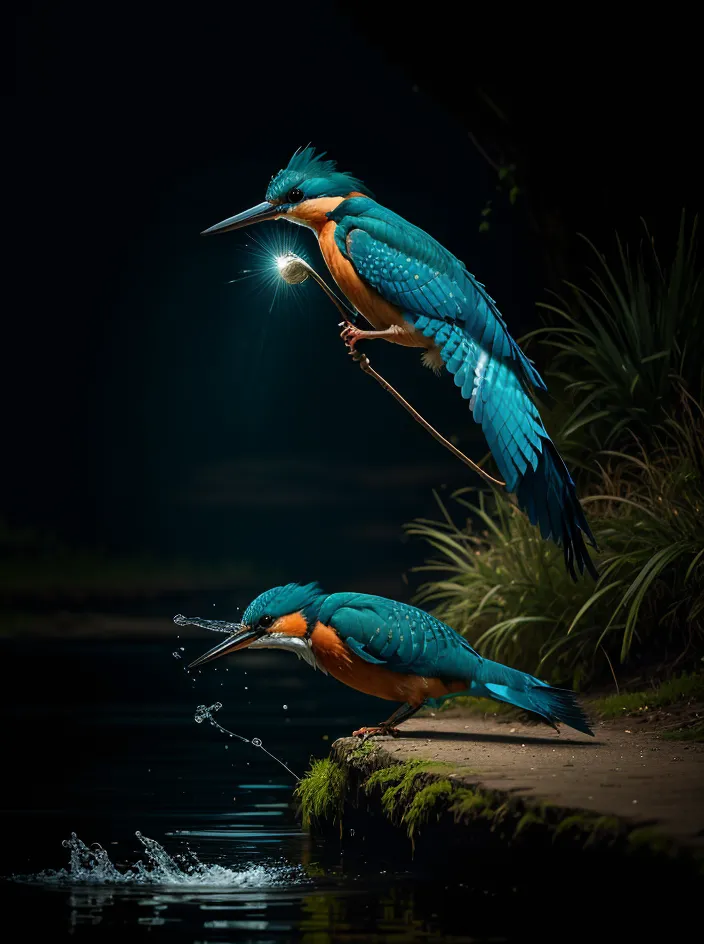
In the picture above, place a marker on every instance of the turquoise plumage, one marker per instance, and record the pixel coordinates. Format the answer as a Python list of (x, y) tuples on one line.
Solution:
[(407, 639), (429, 299), (400, 638), (443, 301)]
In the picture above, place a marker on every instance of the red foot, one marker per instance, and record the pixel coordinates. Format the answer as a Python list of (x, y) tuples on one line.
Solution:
[(350, 335), (381, 730)]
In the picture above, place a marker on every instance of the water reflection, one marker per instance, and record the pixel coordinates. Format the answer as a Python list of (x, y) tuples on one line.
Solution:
[(137, 761)]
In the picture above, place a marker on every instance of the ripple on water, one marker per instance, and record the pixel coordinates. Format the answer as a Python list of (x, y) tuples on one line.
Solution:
[(91, 865)]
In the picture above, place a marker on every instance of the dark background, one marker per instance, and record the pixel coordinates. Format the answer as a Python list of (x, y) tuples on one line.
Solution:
[(152, 408)]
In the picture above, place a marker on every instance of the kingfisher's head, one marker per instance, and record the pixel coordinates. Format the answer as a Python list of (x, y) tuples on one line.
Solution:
[(303, 193), (280, 618)]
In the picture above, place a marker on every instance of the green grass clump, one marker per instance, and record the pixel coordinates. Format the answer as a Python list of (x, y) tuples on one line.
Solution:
[(495, 579), (667, 693), (501, 585), (321, 793), (694, 732), (619, 343)]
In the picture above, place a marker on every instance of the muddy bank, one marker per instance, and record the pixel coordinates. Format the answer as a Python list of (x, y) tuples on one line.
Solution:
[(450, 786)]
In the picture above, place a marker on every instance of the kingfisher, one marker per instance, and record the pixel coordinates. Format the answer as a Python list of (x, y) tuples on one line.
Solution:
[(416, 293), (387, 649)]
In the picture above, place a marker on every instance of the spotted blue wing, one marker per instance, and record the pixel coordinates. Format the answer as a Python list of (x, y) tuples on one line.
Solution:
[(402, 637), (443, 301)]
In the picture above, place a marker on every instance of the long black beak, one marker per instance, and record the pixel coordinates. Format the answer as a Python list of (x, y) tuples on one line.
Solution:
[(263, 211), (238, 640)]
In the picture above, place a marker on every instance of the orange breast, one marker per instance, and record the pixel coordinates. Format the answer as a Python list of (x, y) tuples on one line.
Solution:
[(365, 299), (344, 665)]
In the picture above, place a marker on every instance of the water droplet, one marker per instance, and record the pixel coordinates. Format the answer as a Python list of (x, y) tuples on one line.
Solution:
[(285, 707), (256, 742)]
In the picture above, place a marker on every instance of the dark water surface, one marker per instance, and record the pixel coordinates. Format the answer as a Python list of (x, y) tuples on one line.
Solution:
[(102, 743)]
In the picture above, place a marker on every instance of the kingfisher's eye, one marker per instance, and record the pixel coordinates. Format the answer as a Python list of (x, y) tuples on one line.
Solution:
[(295, 195), (265, 622)]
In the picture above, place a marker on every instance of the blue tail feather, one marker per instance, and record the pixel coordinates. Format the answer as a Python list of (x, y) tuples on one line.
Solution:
[(497, 681), (549, 498)]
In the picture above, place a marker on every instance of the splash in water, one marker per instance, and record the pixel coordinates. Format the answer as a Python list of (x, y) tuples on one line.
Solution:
[(204, 713), (91, 865)]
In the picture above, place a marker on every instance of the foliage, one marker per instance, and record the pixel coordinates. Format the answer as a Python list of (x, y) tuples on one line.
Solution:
[(674, 690), (321, 793), (626, 343), (694, 732), (630, 354), (502, 586)]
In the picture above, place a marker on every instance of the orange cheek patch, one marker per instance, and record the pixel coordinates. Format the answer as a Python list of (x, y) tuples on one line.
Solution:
[(314, 212), (292, 625)]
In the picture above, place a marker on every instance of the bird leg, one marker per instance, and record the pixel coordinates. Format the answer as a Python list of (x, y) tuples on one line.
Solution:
[(388, 727), (350, 334)]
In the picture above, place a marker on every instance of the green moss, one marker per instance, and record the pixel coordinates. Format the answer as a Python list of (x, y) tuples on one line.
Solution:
[(529, 818), (668, 693), (590, 827), (651, 840), (364, 749), (470, 803), (425, 802), (321, 793), (400, 781)]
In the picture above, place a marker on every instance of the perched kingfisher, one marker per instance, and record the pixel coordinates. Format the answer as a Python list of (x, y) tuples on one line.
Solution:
[(387, 649), (414, 292)]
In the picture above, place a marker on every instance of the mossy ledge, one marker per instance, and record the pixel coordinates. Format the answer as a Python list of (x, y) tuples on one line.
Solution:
[(444, 806)]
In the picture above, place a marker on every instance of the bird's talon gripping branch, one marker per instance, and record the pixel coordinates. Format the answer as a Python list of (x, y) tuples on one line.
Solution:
[(350, 335)]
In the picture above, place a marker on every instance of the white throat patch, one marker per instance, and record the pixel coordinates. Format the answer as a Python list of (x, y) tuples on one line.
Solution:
[(296, 644)]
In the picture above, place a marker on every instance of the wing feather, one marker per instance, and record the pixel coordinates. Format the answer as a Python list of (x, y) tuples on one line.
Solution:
[(444, 302)]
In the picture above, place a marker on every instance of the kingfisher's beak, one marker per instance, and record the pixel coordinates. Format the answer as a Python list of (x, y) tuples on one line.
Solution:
[(238, 640), (263, 211)]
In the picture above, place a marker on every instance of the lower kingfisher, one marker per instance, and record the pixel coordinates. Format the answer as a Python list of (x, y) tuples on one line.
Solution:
[(416, 293), (386, 649)]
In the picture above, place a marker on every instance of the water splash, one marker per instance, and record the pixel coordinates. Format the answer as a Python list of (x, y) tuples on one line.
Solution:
[(215, 626), (204, 713), (91, 865)]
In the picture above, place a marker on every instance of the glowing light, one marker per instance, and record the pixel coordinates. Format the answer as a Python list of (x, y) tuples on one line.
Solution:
[(266, 254), (292, 268)]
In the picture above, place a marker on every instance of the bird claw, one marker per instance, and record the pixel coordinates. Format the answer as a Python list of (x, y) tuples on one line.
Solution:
[(381, 730), (350, 335)]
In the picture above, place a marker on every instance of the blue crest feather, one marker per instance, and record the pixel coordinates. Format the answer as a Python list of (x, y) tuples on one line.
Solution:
[(280, 601), (317, 177)]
